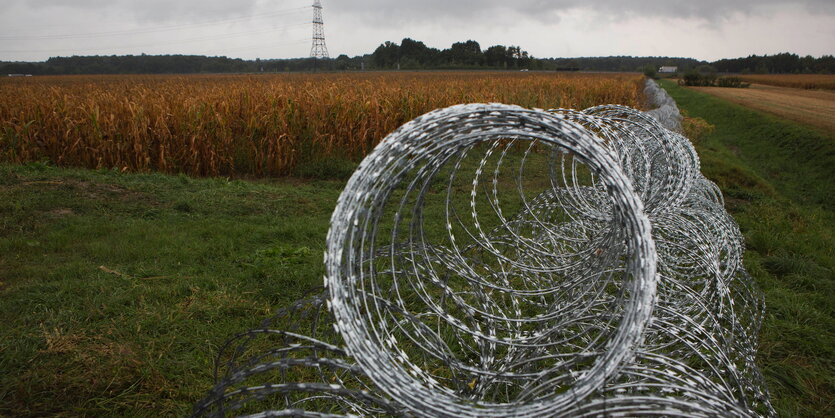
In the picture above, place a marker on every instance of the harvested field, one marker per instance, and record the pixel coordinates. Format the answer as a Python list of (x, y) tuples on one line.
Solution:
[(799, 81), (813, 107)]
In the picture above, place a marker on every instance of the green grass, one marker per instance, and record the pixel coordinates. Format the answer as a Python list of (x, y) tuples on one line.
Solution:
[(778, 179), (117, 289)]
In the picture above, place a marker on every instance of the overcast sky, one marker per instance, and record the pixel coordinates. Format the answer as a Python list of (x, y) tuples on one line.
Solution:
[(33, 30)]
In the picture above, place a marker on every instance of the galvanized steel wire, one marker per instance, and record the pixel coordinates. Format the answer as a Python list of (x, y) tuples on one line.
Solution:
[(489, 260)]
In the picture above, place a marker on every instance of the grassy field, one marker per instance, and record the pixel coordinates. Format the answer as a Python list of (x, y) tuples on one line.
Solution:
[(117, 288), (301, 124), (799, 81)]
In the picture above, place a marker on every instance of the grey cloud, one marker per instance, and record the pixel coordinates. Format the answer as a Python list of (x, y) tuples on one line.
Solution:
[(362, 24), (383, 11), (389, 13), (156, 10)]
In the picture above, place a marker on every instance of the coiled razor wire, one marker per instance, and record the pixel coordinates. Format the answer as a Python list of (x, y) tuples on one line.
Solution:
[(489, 260), (664, 109)]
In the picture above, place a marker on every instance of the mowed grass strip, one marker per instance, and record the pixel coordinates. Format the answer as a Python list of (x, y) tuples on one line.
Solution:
[(778, 179)]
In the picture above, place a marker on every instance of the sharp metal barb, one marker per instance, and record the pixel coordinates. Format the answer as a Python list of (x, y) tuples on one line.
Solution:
[(489, 260)]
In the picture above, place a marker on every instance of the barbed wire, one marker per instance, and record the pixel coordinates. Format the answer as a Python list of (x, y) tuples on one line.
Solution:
[(489, 260)]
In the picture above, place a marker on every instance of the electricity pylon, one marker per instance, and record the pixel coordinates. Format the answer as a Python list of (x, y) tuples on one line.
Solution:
[(319, 50)]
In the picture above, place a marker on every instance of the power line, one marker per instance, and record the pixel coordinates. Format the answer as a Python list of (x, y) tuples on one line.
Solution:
[(256, 46)]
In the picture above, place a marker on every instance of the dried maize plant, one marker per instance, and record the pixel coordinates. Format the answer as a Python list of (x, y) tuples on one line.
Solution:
[(490, 260), (264, 125)]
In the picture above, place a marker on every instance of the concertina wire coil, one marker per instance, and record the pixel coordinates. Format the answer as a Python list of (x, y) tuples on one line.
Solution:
[(488, 260)]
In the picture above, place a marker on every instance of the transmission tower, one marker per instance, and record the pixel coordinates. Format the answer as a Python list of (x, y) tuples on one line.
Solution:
[(319, 50)]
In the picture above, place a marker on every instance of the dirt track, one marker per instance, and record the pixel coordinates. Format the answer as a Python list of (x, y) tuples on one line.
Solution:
[(813, 107)]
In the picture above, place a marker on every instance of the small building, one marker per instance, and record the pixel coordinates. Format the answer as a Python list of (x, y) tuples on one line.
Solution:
[(667, 69)]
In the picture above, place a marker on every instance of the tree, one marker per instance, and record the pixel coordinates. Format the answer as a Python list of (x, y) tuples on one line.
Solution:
[(466, 53), (343, 62), (387, 55), (517, 57), (415, 54), (496, 56)]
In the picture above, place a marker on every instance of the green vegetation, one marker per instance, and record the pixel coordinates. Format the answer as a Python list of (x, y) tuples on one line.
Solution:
[(783, 63), (117, 289), (650, 72), (412, 54), (705, 76), (734, 82), (409, 54), (777, 178)]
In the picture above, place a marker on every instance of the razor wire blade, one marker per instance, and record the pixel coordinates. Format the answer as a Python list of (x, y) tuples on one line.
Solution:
[(487, 260)]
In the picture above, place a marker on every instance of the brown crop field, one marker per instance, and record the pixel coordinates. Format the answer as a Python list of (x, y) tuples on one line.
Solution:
[(258, 125), (798, 81)]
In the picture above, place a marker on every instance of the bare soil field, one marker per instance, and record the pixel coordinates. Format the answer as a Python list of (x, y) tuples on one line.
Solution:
[(813, 107)]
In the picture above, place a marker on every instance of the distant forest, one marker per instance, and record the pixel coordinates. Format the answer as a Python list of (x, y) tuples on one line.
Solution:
[(411, 55)]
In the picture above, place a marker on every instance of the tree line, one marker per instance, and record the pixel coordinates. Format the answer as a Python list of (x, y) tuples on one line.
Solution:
[(777, 64), (412, 54), (409, 54)]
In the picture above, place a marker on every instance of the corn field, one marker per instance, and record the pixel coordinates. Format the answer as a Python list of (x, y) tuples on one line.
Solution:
[(254, 125)]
